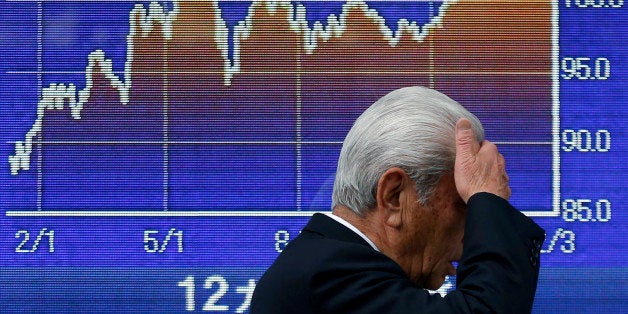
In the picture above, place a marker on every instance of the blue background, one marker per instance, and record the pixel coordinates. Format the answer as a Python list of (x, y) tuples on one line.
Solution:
[(102, 260)]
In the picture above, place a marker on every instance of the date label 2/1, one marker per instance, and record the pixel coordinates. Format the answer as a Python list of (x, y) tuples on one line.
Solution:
[(32, 244)]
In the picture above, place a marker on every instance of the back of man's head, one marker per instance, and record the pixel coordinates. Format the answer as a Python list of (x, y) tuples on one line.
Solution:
[(411, 128)]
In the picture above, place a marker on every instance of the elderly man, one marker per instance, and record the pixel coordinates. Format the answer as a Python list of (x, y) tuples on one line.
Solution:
[(417, 188)]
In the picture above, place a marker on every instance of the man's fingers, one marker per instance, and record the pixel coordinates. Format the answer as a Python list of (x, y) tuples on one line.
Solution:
[(466, 144), (479, 166), (465, 169), (501, 162)]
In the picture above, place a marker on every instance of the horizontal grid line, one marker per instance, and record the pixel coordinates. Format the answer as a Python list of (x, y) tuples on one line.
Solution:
[(73, 213), (240, 142), (305, 72)]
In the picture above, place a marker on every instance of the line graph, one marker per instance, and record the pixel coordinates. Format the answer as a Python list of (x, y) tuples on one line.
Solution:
[(189, 125)]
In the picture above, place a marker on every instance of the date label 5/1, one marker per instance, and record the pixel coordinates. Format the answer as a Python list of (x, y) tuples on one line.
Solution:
[(157, 242)]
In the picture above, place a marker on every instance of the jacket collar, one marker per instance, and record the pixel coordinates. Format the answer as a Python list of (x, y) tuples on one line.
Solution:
[(329, 228)]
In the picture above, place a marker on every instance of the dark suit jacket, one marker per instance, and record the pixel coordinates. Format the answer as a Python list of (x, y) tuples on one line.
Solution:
[(330, 269)]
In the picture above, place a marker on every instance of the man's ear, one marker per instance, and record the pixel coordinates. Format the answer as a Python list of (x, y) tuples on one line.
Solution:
[(389, 193)]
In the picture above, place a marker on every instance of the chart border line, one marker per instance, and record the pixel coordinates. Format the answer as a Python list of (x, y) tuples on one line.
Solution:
[(555, 130)]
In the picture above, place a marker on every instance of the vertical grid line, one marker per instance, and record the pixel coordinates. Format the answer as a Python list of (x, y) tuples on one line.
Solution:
[(298, 129), (555, 110), (40, 157), (430, 41), (165, 127)]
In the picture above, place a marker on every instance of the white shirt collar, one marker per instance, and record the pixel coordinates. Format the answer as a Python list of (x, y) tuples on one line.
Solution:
[(353, 228)]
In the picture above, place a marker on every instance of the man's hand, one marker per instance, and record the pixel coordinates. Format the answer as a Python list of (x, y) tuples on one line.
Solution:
[(479, 166)]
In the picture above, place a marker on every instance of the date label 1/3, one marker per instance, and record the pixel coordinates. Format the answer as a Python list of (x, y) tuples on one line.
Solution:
[(154, 242), (564, 239), (27, 245)]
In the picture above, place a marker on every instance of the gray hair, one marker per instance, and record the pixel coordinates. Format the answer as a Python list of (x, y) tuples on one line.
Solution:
[(412, 128)]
